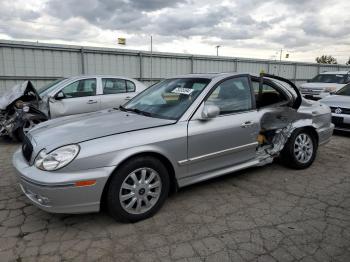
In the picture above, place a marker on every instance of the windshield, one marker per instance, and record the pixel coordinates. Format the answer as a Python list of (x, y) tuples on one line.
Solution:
[(168, 99), (330, 78), (42, 89), (345, 91)]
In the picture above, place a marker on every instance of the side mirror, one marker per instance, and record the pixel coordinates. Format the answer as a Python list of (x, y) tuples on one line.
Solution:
[(60, 95), (210, 111)]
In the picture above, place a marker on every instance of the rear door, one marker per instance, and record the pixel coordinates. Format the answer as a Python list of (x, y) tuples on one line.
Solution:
[(75, 98), (116, 91)]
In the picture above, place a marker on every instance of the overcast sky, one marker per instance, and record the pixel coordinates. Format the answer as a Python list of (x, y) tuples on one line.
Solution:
[(259, 29)]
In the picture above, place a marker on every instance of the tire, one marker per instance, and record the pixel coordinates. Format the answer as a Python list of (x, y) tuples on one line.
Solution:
[(124, 188), (27, 125), (300, 149)]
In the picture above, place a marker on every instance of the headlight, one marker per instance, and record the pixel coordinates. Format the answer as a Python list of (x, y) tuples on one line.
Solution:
[(331, 89), (57, 159)]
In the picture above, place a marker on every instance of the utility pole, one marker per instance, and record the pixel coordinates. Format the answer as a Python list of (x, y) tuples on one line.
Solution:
[(217, 50), (279, 68), (281, 54), (151, 57)]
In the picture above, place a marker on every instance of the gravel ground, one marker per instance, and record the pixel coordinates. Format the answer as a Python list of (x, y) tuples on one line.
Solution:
[(261, 214)]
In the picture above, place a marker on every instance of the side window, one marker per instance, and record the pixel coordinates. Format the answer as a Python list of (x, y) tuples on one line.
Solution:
[(268, 96), (80, 88), (130, 86), (113, 86), (232, 95)]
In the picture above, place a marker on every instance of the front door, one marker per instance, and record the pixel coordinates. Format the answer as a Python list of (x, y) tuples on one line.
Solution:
[(230, 138), (75, 98)]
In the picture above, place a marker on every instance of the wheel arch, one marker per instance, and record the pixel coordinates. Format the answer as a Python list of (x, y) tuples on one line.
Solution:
[(313, 131), (159, 156)]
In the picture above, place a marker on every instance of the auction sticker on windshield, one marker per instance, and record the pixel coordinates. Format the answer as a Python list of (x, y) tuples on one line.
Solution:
[(182, 90)]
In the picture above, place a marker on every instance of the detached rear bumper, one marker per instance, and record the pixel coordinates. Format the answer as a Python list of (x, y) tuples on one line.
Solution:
[(57, 194)]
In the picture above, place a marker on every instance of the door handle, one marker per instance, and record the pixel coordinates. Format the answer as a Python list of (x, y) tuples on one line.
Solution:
[(247, 124), (92, 102)]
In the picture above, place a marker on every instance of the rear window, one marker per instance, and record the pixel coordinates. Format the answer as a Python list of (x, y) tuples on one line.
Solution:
[(330, 78)]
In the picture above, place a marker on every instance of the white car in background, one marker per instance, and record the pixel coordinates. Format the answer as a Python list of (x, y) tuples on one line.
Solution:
[(324, 84), (23, 106), (340, 107), (88, 93)]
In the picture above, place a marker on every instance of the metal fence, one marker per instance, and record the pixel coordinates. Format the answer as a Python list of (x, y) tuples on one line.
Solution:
[(42, 63)]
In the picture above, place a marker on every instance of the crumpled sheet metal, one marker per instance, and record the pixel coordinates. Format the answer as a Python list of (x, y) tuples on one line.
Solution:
[(15, 92), (266, 154)]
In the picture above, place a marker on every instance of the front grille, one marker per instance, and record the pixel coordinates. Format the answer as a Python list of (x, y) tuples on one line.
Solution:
[(27, 149), (345, 111)]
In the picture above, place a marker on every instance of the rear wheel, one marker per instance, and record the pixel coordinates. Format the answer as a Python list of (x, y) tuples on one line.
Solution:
[(138, 189), (300, 150)]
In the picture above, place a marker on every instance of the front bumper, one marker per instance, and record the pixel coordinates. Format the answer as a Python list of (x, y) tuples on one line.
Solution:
[(341, 122), (56, 192)]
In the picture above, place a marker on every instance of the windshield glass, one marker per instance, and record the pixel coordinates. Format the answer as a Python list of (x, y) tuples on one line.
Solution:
[(42, 89), (345, 91), (168, 99), (329, 78)]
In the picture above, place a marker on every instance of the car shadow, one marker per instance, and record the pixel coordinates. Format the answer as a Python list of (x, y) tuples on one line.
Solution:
[(8, 140)]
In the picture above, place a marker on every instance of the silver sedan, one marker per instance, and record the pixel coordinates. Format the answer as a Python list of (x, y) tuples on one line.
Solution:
[(180, 131)]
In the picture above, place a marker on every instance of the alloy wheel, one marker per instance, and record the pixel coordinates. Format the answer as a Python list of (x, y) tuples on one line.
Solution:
[(303, 148), (140, 190)]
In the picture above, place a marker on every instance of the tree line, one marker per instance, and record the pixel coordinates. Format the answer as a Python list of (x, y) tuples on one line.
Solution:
[(328, 59)]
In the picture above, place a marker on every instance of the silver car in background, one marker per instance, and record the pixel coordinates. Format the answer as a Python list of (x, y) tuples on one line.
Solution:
[(340, 107), (180, 131)]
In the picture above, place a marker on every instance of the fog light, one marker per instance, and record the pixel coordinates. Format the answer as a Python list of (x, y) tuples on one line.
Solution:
[(42, 200)]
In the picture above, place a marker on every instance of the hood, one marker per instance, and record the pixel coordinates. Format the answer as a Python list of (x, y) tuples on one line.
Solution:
[(16, 92), (78, 128), (337, 101), (321, 86)]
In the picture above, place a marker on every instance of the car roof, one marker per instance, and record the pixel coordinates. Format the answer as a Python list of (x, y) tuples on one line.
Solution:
[(335, 73), (104, 76), (209, 75)]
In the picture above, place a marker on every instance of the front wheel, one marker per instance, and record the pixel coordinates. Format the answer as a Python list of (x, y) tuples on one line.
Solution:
[(300, 150), (138, 189)]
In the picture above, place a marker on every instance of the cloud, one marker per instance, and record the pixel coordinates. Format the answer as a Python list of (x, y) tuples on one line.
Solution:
[(304, 26)]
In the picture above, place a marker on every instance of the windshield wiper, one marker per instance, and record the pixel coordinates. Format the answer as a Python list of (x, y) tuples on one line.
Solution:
[(135, 110)]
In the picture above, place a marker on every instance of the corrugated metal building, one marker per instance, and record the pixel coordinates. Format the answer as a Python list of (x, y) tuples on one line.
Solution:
[(42, 63)]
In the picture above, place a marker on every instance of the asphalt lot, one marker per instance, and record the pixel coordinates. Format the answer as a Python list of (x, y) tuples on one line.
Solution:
[(262, 214)]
